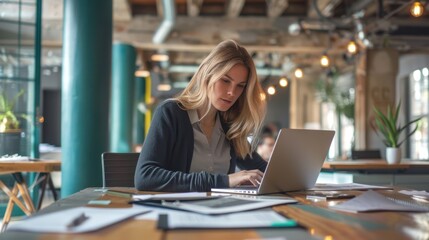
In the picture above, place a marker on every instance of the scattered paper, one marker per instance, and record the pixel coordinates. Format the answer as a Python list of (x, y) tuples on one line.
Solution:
[(345, 186), (415, 193), (253, 219), (220, 205), (57, 222), (14, 157), (173, 196), (373, 201)]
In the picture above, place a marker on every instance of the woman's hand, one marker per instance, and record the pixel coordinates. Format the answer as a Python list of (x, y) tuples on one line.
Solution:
[(253, 177)]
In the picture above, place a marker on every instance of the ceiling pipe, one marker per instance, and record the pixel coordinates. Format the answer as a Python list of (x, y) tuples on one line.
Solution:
[(194, 68), (167, 24)]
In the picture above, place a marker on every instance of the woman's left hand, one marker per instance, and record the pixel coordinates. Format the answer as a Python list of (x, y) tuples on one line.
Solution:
[(253, 177)]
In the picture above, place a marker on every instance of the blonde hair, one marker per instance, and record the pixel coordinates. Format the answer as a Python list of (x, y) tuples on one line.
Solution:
[(245, 117)]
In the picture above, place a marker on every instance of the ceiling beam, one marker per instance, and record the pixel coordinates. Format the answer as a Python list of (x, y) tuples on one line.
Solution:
[(121, 10), (193, 69), (276, 7), (233, 8), (194, 7), (326, 7), (250, 48)]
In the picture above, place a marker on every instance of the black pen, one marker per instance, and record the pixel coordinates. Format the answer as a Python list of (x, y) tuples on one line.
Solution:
[(77, 221)]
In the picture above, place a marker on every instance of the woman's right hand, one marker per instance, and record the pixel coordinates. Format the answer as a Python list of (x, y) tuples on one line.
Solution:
[(253, 177)]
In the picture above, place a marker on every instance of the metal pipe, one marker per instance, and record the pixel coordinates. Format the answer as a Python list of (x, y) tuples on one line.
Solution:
[(167, 24)]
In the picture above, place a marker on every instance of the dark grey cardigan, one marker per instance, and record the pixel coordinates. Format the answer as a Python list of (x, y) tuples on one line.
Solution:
[(166, 156)]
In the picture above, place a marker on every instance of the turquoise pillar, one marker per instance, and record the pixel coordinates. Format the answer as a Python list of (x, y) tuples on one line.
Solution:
[(87, 47), (139, 117), (122, 101)]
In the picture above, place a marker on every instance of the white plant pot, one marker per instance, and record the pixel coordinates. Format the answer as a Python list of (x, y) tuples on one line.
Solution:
[(393, 155)]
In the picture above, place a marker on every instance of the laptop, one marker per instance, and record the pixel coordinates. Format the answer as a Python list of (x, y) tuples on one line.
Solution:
[(294, 165)]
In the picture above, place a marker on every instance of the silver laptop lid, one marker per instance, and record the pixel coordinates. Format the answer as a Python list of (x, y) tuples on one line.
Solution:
[(296, 160)]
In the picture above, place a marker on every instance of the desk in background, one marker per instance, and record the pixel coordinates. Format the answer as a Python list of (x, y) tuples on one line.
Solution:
[(314, 216), (407, 174), (42, 167)]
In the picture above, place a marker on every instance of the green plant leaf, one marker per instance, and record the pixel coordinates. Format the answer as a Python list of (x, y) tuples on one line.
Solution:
[(2, 103), (389, 128), (408, 135), (7, 110), (385, 126)]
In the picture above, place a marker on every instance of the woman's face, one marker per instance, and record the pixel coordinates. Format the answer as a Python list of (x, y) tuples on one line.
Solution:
[(229, 88)]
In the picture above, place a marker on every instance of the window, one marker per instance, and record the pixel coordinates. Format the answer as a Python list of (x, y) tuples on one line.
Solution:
[(419, 107)]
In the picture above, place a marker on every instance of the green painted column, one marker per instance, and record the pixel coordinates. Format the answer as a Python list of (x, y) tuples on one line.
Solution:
[(87, 48), (139, 117), (122, 100)]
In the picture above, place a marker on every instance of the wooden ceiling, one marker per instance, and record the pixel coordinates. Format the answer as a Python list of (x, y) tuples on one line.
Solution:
[(280, 34)]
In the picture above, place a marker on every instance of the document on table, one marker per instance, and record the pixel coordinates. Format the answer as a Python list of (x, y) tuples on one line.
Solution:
[(13, 158), (220, 205), (174, 196), (71, 221), (345, 186), (417, 195), (371, 201), (254, 219)]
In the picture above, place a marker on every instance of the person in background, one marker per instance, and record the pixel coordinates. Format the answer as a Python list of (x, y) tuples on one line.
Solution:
[(265, 146), (198, 138)]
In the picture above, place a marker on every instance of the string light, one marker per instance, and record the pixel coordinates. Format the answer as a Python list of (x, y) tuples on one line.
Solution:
[(160, 57), (283, 82), (271, 90), (351, 47), (142, 73), (417, 9), (299, 73), (324, 60)]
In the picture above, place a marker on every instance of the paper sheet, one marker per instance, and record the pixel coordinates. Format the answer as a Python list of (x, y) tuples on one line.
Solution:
[(373, 201), (57, 222), (173, 196), (253, 219), (345, 186), (219, 205), (13, 158), (421, 193)]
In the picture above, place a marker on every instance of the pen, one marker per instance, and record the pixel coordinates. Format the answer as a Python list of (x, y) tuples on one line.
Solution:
[(77, 221)]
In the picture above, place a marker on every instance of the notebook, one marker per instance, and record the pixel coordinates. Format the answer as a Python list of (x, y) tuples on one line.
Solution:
[(295, 162)]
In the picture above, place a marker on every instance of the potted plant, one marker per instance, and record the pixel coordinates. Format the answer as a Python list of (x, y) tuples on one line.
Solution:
[(390, 131), (10, 132)]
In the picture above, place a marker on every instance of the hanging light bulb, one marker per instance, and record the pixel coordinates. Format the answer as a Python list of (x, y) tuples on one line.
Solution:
[(142, 73), (299, 73), (324, 60), (417, 9), (283, 82), (271, 90), (352, 47)]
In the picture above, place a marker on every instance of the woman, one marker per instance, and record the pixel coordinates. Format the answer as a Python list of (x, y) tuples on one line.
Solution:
[(197, 139)]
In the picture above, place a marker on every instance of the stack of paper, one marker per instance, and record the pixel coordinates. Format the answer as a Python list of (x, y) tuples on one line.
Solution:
[(373, 201), (14, 157)]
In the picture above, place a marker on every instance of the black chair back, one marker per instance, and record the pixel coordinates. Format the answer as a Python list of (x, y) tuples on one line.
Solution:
[(119, 169)]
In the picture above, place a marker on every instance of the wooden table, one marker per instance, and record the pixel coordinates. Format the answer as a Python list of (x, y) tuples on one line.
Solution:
[(318, 221), (348, 165), (43, 167)]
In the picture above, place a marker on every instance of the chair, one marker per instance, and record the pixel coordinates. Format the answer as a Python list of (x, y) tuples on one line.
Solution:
[(118, 169), (366, 154)]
